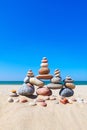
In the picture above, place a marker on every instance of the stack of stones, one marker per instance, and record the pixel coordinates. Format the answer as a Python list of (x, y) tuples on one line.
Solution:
[(27, 89), (67, 91), (44, 74), (55, 81), (44, 70)]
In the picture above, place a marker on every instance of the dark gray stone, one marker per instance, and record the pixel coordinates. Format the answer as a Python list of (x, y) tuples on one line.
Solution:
[(66, 92)]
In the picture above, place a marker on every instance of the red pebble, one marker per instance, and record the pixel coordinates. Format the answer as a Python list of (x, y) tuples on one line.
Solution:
[(64, 101), (23, 100), (44, 104)]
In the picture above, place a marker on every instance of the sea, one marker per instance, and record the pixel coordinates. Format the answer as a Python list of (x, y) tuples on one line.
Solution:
[(46, 82)]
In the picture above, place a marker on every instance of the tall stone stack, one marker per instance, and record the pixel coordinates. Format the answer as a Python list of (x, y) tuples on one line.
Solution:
[(67, 90), (44, 74), (27, 89), (44, 70), (55, 81)]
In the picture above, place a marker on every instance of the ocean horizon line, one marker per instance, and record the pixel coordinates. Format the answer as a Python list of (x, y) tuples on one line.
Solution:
[(20, 82)]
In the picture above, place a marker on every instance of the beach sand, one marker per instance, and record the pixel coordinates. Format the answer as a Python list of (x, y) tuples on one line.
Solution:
[(21, 116)]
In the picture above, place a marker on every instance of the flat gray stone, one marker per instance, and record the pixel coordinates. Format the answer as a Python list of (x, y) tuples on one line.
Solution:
[(54, 86)]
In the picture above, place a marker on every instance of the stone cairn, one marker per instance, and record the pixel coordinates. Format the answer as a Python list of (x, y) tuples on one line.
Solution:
[(44, 74), (27, 88), (55, 81), (44, 70), (67, 90)]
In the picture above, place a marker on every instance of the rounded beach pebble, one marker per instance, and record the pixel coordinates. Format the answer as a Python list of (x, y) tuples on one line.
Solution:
[(10, 99), (26, 90), (11, 94), (66, 92), (23, 100), (70, 85), (44, 104), (54, 86), (44, 91)]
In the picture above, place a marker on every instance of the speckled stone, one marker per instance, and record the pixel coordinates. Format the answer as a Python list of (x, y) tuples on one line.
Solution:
[(54, 86), (26, 90), (66, 92)]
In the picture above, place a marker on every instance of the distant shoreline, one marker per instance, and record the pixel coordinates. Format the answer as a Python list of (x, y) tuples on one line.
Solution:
[(46, 82)]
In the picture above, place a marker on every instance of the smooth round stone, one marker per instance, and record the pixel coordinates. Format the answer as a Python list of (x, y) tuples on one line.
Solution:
[(57, 75), (44, 104), (29, 85), (44, 91), (70, 85), (44, 65), (26, 79), (64, 101), (44, 61), (44, 70), (54, 86), (13, 94), (13, 91), (56, 80), (10, 99), (30, 73), (23, 100), (32, 104), (68, 81), (45, 76), (66, 92), (36, 82), (57, 72), (26, 90)]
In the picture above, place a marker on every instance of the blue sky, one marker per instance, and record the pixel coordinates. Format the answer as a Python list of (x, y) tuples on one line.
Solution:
[(32, 29)]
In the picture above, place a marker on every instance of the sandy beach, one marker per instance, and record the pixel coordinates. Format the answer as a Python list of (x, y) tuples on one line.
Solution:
[(21, 116)]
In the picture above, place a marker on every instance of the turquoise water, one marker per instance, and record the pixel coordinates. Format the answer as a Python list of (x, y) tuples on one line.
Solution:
[(46, 82)]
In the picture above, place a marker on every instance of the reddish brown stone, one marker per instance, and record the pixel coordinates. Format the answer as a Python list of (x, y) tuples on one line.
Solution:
[(44, 91), (45, 76), (44, 61), (44, 104), (44, 70)]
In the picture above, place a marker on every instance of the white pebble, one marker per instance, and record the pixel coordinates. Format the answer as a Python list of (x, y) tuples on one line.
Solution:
[(10, 99)]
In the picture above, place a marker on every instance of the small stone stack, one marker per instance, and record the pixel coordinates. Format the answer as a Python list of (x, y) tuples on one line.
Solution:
[(55, 81), (27, 89), (68, 86), (44, 70)]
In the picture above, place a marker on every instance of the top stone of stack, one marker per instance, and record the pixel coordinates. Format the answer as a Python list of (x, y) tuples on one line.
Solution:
[(44, 70), (30, 73)]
